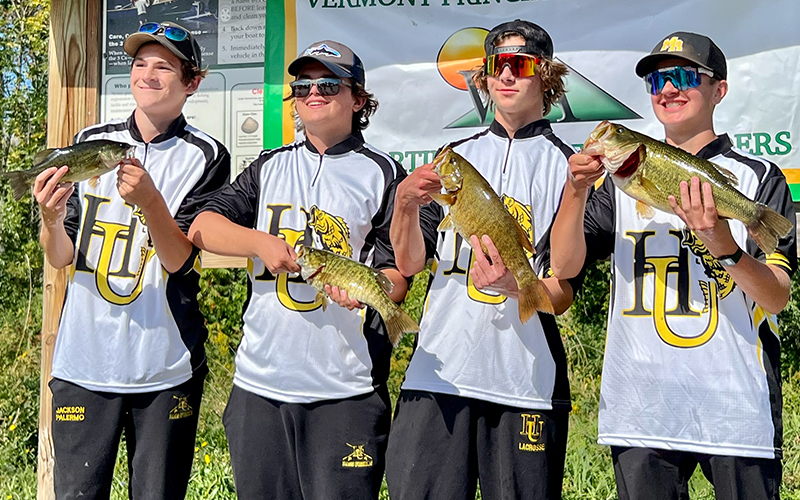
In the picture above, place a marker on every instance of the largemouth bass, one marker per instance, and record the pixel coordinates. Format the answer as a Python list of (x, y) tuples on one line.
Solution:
[(362, 283), (86, 160), (476, 209), (650, 171)]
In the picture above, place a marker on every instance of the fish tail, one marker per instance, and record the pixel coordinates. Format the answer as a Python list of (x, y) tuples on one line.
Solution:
[(533, 297), (19, 183), (398, 324), (768, 227)]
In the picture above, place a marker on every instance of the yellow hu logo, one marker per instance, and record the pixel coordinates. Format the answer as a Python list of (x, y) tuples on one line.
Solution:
[(182, 408), (116, 250), (532, 425), (357, 458), (332, 231), (675, 269), (673, 44)]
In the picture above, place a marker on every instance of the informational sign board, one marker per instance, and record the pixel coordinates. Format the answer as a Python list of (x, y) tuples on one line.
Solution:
[(417, 52), (229, 103)]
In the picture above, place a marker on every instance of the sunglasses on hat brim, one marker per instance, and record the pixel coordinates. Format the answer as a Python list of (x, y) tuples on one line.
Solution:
[(327, 86), (681, 77), (521, 65), (173, 33)]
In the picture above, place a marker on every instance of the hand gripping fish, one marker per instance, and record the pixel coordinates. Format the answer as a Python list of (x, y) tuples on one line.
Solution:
[(364, 284), (474, 208), (650, 171)]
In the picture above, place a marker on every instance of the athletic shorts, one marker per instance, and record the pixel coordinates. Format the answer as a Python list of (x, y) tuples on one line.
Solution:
[(653, 474), (312, 451), (160, 429), (442, 445)]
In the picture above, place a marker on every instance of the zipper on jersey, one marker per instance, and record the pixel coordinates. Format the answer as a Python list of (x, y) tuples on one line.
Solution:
[(319, 169), (508, 152)]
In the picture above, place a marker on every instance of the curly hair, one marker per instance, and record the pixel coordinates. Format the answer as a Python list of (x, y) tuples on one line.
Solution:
[(360, 118), (551, 72)]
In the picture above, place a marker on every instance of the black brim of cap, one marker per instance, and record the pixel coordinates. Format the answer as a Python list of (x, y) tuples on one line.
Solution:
[(134, 42), (649, 62), (296, 65)]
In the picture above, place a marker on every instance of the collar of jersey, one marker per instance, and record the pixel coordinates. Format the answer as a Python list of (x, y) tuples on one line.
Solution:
[(721, 145), (532, 129), (173, 130), (352, 142)]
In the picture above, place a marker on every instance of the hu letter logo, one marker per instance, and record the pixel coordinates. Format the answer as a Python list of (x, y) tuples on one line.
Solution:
[(113, 277), (675, 269)]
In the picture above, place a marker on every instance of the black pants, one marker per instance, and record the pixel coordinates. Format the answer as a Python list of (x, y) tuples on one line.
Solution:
[(313, 451), (652, 474), (160, 429), (441, 445)]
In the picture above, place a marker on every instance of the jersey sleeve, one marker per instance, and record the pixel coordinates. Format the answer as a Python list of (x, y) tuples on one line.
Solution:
[(599, 223), (237, 201), (774, 193), (430, 216), (215, 177), (382, 221), (72, 220)]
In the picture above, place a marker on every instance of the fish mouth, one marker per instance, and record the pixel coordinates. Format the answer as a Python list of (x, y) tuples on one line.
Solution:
[(613, 158), (447, 181)]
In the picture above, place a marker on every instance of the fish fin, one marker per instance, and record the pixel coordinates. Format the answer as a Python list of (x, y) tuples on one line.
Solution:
[(644, 210), (398, 324), (19, 183), (94, 181), (324, 298), (443, 199), (42, 155), (523, 237), (532, 298), (727, 174), (385, 282), (446, 224), (768, 227)]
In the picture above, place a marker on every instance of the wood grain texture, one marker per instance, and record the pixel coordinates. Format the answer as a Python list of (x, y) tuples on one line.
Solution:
[(72, 105)]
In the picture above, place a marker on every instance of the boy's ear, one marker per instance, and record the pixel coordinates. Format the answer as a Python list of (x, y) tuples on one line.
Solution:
[(721, 92)]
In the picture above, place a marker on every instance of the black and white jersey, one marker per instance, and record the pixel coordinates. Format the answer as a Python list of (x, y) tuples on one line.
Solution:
[(129, 326), (691, 362), (341, 201), (472, 343)]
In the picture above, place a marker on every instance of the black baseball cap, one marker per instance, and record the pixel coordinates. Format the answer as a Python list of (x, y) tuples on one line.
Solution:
[(537, 40), (336, 56), (187, 49), (698, 49)]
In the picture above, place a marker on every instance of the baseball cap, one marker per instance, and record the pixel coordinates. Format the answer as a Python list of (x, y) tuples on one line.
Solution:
[(537, 41), (695, 48), (186, 49), (336, 56)]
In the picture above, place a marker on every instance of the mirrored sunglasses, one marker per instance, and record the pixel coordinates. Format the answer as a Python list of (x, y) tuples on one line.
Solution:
[(171, 32), (521, 65), (325, 86), (682, 78)]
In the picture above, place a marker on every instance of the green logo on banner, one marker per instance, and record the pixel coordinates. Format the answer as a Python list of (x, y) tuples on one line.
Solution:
[(583, 102)]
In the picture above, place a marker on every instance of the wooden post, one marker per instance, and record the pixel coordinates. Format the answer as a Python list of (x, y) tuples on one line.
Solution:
[(72, 105)]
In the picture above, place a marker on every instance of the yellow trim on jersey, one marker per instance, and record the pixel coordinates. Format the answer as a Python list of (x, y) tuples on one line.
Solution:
[(779, 259)]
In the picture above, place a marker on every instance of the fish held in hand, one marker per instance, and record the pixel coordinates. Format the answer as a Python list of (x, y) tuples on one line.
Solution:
[(474, 208), (650, 171), (86, 160), (362, 283)]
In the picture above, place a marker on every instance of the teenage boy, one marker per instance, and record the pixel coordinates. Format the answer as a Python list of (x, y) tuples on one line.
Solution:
[(713, 396), (129, 353), (486, 397), (309, 413)]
